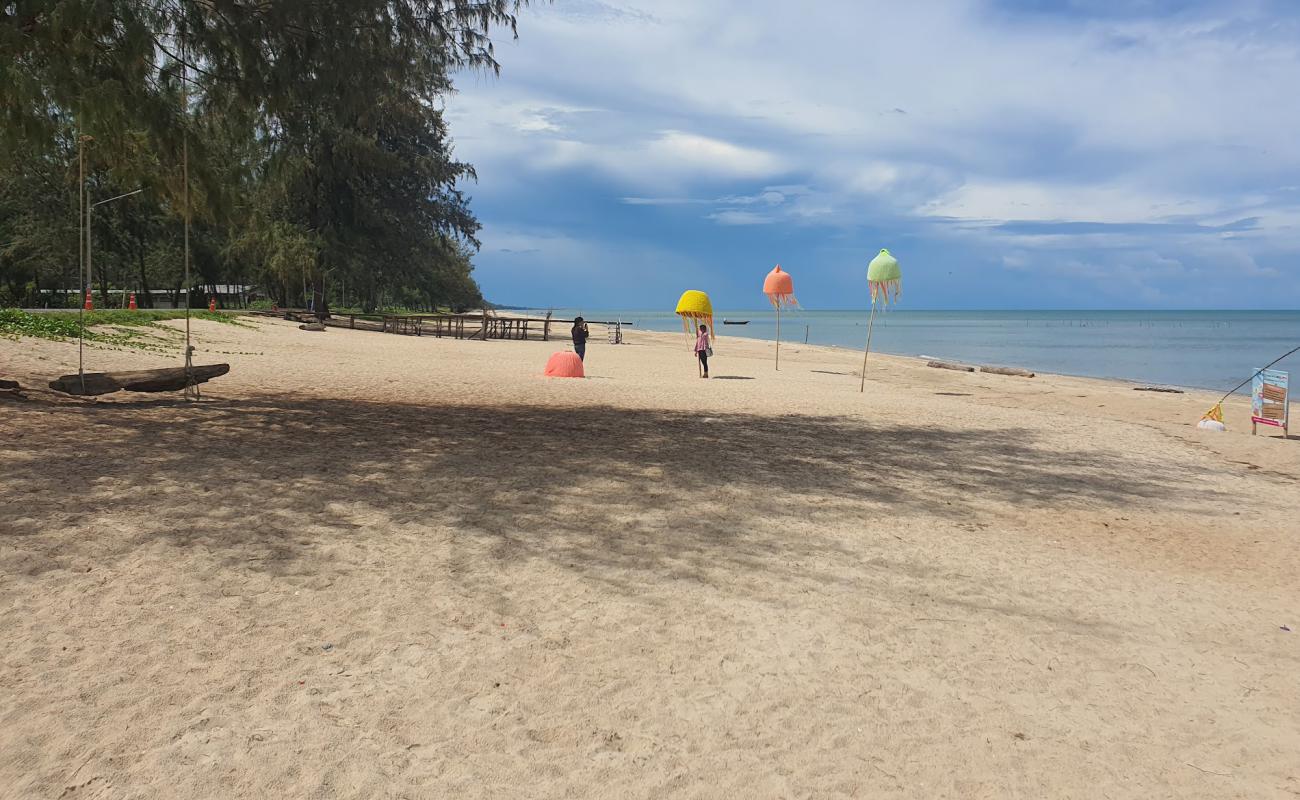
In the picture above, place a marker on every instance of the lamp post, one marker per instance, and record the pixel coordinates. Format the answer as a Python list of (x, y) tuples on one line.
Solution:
[(81, 316), (89, 208)]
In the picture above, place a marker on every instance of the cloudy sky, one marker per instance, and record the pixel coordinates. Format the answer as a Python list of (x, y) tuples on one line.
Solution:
[(1010, 153)]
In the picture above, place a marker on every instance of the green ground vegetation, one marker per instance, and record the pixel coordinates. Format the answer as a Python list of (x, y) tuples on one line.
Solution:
[(140, 330)]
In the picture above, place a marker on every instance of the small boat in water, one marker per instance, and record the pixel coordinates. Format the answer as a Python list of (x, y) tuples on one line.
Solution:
[(735, 322)]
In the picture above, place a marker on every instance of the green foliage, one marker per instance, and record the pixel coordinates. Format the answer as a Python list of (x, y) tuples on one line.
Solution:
[(15, 323), (128, 318), (66, 324), (319, 163)]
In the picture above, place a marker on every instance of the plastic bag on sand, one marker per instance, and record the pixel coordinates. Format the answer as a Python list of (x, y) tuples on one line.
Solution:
[(1211, 425)]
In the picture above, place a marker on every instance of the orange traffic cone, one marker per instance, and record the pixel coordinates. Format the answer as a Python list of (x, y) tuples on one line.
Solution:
[(131, 303), (212, 303), (90, 303)]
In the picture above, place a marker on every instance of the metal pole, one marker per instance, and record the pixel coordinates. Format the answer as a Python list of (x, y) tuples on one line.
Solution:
[(89, 259), (118, 197), (90, 274), (870, 320), (778, 337)]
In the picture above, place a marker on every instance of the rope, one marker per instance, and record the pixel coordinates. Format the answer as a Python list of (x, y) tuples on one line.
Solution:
[(1256, 372), (191, 386)]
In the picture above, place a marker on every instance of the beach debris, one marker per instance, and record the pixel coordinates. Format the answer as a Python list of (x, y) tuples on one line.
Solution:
[(564, 364), (1285, 628), (328, 646), (168, 379), (11, 386), (1168, 389), (1212, 420), (948, 365), (779, 288), (312, 326), (1021, 373), (1209, 771)]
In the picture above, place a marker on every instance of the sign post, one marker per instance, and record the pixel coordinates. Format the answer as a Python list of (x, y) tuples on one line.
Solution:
[(1268, 400)]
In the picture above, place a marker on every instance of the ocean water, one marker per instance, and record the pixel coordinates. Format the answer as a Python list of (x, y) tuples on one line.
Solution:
[(1194, 349)]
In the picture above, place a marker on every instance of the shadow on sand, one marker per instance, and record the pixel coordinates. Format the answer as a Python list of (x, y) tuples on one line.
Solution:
[(266, 483)]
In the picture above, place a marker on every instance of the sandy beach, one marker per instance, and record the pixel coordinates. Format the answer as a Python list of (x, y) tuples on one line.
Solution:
[(370, 565)]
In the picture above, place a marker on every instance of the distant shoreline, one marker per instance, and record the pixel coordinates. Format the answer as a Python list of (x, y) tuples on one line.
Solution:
[(1203, 350)]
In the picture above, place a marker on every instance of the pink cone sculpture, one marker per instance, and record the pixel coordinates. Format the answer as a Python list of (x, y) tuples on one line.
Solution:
[(564, 365)]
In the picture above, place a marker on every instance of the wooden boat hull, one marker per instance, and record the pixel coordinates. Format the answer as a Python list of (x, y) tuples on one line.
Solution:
[(169, 379)]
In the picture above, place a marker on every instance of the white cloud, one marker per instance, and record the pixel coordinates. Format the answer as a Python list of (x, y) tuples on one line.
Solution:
[(670, 158), (736, 217), (536, 123), (1050, 202), (662, 201), (688, 151), (954, 117)]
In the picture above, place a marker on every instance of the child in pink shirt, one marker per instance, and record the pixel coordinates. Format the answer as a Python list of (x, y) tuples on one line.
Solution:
[(703, 351)]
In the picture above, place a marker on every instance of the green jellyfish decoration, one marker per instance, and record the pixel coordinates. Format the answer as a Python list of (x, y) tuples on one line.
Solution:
[(883, 278)]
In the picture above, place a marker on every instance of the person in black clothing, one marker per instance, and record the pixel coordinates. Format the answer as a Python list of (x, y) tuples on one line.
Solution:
[(580, 334)]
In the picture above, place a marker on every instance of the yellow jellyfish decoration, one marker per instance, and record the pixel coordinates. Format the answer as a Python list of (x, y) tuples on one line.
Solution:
[(694, 308), (883, 278), (779, 288)]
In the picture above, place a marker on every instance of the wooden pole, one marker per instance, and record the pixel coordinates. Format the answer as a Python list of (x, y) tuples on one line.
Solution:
[(870, 320), (82, 232), (778, 337)]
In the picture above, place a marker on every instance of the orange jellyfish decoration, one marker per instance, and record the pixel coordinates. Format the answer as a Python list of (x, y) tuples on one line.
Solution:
[(779, 288), (694, 308)]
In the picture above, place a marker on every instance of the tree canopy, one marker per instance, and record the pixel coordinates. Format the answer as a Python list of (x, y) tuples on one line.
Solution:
[(320, 165)]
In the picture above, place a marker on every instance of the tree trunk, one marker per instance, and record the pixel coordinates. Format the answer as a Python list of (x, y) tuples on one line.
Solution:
[(103, 287), (320, 303), (947, 365), (1023, 373), (145, 299)]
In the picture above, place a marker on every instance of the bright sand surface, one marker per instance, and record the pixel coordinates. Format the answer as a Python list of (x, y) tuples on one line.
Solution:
[(369, 565)]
